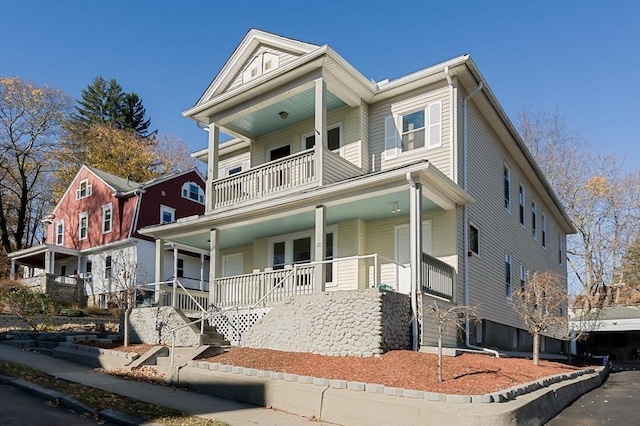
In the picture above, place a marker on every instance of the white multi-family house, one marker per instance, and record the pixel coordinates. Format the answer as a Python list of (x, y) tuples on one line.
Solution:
[(332, 182)]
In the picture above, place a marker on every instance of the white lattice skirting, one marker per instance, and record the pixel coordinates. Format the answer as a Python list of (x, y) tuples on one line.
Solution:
[(232, 324)]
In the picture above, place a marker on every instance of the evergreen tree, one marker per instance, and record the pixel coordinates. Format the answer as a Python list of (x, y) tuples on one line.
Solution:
[(134, 114), (104, 102)]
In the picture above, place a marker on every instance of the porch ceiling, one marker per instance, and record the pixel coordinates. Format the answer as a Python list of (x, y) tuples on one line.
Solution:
[(299, 107), (367, 208)]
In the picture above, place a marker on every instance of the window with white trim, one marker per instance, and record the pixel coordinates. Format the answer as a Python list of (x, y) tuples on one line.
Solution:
[(107, 218), (334, 138), (59, 232), (413, 130), (193, 191), (474, 239), (83, 225), (521, 204), (560, 248), (507, 188), (84, 189), (523, 276), (167, 214), (107, 267), (543, 229), (507, 274), (534, 219)]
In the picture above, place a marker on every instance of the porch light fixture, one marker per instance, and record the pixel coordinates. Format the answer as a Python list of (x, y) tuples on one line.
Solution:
[(395, 208), (283, 114)]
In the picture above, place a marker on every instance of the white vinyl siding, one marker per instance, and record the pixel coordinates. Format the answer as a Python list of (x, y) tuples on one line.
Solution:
[(385, 148), (500, 233), (240, 158), (283, 59)]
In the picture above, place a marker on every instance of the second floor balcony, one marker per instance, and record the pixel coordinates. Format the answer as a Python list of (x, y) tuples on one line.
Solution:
[(290, 174)]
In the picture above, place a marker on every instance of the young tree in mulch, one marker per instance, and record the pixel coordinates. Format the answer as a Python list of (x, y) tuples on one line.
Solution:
[(447, 320), (542, 304), (32, 307)]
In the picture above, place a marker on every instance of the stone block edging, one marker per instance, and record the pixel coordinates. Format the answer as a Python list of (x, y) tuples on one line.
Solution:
[(494, 397)]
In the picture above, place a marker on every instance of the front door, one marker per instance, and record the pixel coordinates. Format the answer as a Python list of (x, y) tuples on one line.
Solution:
[(402, 250)]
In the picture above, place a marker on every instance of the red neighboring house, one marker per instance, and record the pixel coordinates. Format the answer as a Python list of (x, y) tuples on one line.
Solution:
[(92, 233)]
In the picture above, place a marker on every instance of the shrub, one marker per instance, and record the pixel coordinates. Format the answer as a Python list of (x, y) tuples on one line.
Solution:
[(71, 312), (32, 307)]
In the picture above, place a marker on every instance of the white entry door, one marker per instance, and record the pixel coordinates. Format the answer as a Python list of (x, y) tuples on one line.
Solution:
[(402, 250), (232, 265)]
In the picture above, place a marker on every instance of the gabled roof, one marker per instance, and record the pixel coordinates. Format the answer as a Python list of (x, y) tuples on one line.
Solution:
[(242, 53), (115, 182)]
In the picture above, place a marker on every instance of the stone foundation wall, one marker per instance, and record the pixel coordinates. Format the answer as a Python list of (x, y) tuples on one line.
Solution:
[(12, 322), (356, 323), (153, 325)]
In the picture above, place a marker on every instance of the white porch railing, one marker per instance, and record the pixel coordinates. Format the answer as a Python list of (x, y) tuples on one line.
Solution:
[(264, 287), (288, 173)]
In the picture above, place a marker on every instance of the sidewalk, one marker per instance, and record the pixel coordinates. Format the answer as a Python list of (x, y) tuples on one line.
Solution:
[(192, 403)]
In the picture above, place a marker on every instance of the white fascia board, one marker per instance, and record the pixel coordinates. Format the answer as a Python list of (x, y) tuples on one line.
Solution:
[(110, 246), (250, 42), (309, 57), (394, 87)]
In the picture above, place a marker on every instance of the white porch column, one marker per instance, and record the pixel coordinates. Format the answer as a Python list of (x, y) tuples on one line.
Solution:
[(415, 250), (12, 272), (212, 164), (175, 276), (49, 262), (214, 264), (320, 251), (320, 126), (201, 272), (159, 269)]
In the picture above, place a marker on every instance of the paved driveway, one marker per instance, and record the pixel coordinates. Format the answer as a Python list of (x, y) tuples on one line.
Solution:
[(617, 402)]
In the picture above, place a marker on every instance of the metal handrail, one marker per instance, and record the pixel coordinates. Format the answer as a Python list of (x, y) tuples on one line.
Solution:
[(277, 285)]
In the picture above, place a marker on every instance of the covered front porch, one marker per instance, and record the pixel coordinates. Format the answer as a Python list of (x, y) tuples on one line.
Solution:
[(388, 230)]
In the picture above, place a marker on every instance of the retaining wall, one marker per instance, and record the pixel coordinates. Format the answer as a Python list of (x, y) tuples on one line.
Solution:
[(152, 325), (13, 322), (340, 323)]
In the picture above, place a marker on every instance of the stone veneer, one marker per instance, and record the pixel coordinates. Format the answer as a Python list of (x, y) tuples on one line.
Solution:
[(339, 323), (153, 326)]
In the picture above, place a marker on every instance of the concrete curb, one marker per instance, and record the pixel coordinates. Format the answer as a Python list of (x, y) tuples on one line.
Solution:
[(71, 403), (356, 403), (500, 396)]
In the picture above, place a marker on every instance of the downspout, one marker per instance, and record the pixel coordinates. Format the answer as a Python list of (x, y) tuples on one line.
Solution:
[(134, 222), (414, 290), (465, 220)]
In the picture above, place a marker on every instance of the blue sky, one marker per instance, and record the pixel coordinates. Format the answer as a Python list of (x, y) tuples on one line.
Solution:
[(581, 58)]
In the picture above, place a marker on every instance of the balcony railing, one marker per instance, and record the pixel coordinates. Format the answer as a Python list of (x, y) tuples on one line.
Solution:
[(437, 277), (292, 172)]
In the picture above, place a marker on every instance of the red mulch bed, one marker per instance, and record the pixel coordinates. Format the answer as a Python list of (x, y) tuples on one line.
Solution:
[(468, 374)]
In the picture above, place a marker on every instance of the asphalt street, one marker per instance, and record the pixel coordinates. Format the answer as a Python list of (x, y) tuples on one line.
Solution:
[(617, 402), (18, 408)]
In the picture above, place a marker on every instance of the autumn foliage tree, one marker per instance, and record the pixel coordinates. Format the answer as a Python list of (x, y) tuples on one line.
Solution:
[(542, 304), (30, 122), (601, 199)]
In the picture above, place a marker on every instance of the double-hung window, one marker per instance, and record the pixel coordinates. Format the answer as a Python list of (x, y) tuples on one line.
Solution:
[(180, 268), (543, 229), (507, 188), (107, 212), (474, 239), (507, 276), (59, 232), (560, 248), (534, 219), (521, 204), (523, 276), (83, 225), (107, 267), (413, 130)]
